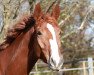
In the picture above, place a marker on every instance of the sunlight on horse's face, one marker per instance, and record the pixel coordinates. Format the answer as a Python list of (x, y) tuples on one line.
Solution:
[(48, 37)]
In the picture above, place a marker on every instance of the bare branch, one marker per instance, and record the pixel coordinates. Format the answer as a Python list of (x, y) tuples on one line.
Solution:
[(50, 6), (83, 24), (68, 16)]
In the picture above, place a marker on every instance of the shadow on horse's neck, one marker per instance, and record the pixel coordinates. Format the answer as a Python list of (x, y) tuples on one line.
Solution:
[(19, 57), (32, 58)]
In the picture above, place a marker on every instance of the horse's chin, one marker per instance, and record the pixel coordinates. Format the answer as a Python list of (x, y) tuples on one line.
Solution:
[(53, 68)]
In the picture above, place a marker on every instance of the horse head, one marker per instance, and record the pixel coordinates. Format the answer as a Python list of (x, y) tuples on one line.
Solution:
[(47, 37)]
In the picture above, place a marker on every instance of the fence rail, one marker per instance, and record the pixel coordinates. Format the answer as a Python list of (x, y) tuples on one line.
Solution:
[(71, 69), (90, 68)]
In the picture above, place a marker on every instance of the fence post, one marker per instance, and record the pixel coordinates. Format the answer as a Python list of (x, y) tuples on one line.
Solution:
[(84, 66), (36, 68), (90, 65)]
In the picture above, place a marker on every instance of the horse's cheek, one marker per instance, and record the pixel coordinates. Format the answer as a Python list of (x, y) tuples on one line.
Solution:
[(41, 44)]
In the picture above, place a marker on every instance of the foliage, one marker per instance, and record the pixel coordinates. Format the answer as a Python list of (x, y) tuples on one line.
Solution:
[(75, 19)]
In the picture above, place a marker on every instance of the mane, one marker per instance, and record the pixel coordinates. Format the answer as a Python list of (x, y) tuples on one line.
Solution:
[(25, 23), (50, 19)]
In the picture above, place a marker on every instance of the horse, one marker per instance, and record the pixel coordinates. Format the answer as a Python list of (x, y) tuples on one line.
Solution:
[(34, 37)]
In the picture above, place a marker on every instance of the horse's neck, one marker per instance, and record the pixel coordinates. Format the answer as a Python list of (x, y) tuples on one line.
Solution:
[(17, 59), (7, 54)]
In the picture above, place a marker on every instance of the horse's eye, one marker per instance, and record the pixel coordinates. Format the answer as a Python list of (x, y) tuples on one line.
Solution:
[(39, 33), (60, 33)]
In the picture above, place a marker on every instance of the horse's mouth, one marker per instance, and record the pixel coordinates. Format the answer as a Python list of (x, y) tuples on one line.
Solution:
[(54, 68)]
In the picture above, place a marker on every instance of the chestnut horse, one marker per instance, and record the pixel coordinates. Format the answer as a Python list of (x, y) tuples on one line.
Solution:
[(34, 37)]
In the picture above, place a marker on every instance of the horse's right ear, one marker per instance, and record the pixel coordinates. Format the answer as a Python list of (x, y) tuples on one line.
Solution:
[(56, 11), (37, 11)]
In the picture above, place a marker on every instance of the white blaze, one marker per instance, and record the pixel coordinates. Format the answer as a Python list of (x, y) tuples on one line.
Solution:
[(54, 45)]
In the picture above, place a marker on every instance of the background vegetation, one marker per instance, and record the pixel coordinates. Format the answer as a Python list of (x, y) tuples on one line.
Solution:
[(76, 21)]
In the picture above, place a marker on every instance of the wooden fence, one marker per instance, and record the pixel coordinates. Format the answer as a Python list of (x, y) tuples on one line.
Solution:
[(85, 69)]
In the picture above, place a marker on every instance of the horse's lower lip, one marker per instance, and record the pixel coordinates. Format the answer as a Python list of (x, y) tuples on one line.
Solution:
[(53, 67)]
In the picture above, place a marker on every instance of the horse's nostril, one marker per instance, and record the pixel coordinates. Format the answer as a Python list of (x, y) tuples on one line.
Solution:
[(52, 61)]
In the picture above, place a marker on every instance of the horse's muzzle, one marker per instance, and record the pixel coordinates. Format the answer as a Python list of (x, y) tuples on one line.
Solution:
[(54, 65)]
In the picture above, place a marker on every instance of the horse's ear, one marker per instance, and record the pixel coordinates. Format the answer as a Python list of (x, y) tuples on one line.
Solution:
[(37, 11), (56, 11)]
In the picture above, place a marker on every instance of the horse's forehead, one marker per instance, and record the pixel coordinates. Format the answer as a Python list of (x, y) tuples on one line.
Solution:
[(52, 30), (47, 21)]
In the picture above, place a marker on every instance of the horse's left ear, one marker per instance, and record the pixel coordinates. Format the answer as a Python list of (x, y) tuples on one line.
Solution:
[(37, 11), (56, 11)]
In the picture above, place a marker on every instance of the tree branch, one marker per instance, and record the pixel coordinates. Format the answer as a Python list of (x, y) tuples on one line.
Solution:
[(83, 24), (50, 6)]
